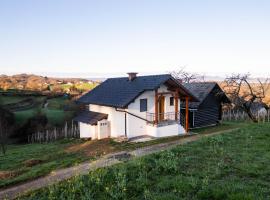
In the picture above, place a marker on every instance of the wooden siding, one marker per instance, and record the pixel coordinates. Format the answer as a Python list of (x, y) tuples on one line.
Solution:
[(208, 113)]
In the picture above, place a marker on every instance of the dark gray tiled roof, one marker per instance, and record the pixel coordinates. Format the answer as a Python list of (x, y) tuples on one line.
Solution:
[(199, 90), (120, 92), (90, 117)]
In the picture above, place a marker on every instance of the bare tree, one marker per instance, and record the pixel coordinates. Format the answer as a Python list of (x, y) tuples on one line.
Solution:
[(243, 93), (6, 121), (3, 134), (185, 76)]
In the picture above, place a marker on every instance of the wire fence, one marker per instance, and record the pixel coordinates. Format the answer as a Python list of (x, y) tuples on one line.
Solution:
[(54, 134), (238, 115)]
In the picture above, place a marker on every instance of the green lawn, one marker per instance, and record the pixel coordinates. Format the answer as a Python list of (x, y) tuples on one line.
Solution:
[(19, 158), (233, 165), (61, 154), (222, 127)]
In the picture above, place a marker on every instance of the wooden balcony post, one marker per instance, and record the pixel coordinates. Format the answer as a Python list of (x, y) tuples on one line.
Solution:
[(187, 117), (176, 97), (156, 107)]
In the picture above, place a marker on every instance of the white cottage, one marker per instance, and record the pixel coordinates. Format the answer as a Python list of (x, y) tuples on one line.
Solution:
[(134, 106)]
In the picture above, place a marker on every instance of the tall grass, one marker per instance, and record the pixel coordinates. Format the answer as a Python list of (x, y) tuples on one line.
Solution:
[(234, 165)]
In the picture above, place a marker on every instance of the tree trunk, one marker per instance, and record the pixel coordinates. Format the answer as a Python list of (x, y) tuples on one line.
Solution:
[(250, 115), (3, 147)]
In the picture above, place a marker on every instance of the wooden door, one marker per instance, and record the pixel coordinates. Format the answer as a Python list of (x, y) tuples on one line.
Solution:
[(191, 119), (161, 108)]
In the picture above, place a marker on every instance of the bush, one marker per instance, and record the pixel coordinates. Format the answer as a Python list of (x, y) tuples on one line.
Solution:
[(33, 125)]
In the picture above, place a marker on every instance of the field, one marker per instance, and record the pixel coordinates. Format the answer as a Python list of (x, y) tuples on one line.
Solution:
[(234, 165), (55, 111), (10, 99), (79, 86), (48, 157)]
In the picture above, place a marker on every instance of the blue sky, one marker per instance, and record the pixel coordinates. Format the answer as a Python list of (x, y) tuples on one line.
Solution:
[(85, 37)]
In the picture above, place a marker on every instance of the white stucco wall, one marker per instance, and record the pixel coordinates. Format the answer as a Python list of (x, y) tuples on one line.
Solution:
[(87, 131), (135, 126), (116, 119), (168, 108), (165, 131)]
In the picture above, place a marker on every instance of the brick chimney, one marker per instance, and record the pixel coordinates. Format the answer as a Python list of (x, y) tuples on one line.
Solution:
[(132, 76)]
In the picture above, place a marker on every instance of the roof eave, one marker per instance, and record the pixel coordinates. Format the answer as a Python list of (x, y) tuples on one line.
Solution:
[(107, 105), (188, 93)]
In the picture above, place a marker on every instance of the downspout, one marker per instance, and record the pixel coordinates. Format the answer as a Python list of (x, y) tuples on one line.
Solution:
[(187, 116), (126, 112), (125, 124), (134, 115)]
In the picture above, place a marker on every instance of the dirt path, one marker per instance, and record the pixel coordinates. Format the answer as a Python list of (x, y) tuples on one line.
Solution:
[(84, 168)]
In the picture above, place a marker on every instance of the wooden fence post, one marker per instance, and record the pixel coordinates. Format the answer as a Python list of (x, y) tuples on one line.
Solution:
[(47, 136), (65, 129), (54, 134), (55, 137)]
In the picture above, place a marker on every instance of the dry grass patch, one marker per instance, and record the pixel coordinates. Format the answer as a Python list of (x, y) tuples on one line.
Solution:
[(93, 148), (8, 174), (32, 162)]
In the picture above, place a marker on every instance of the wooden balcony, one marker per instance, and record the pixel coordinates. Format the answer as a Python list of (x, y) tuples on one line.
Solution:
[(159, 116), (166, 118)]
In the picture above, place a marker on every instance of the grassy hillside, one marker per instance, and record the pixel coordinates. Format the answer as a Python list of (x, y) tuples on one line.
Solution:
[(55, 111), (24, 162), (10, 99), (40, 83), (16, 164), (234, 165)]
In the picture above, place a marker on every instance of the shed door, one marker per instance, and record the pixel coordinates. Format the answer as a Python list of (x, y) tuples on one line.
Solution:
[(103, 129), (191, 118)]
